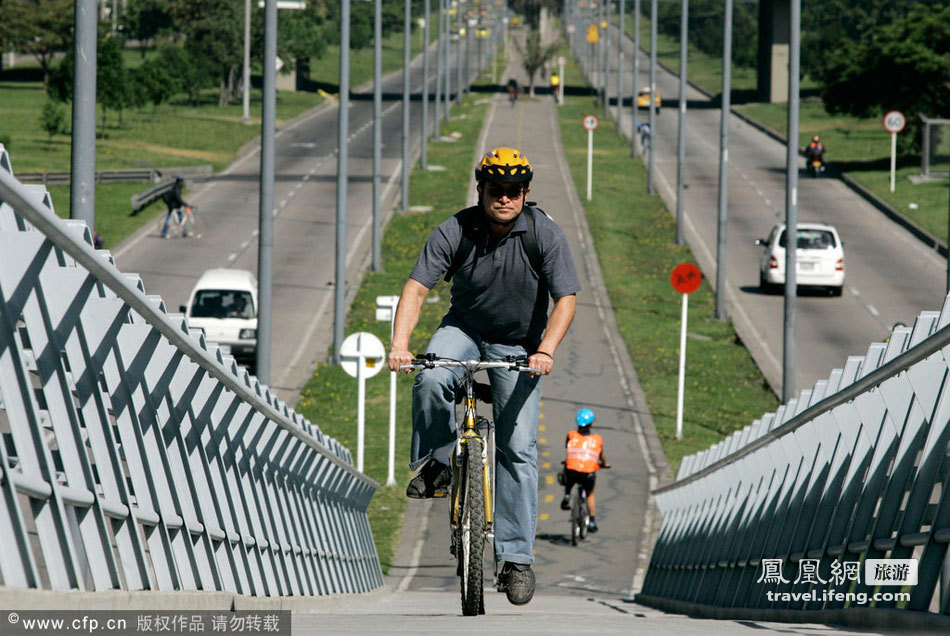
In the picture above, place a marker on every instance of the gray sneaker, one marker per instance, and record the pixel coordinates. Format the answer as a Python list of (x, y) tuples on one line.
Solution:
[(432, 481), (517, 582)]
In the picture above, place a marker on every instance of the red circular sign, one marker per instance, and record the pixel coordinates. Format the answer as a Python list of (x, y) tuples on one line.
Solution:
[(590, 122), (686, 278)]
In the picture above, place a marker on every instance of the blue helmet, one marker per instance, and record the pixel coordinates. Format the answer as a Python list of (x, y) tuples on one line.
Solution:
[(585, 417)]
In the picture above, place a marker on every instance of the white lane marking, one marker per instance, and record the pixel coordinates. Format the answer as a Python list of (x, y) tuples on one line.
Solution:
[(854, 291), (245, 244), (873, 310), (417, 548), (232, 257)]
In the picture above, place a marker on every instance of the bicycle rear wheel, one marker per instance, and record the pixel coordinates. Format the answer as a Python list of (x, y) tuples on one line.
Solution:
[(471, 530), (576, 516), (584, 519)]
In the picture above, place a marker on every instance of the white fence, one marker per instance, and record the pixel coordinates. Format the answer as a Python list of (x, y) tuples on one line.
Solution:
[(135, 455), (854, 469)]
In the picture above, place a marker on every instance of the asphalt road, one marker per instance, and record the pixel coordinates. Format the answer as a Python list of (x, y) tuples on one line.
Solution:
[(304, 224), (890, 276)]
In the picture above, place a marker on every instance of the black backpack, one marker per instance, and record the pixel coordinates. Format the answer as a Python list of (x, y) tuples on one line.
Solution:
[(529, 241)]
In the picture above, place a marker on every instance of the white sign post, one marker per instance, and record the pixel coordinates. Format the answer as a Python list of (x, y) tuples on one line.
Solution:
[(561, 62), (361, 356), (685, 279), (894, 122), (590, 123), (386, 310)]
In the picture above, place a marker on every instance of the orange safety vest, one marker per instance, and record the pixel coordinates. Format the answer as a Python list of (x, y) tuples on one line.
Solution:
[(583, 452)]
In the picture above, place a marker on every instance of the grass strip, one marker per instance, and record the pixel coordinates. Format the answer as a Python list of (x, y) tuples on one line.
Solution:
[(329, 397), (633, 235)]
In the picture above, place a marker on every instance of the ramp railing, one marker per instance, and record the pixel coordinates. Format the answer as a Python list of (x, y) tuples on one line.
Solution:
[(135, 455), (821, 504)]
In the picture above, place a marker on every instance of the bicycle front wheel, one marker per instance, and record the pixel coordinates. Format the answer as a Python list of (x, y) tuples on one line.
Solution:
[(194, 226), (472, 530)]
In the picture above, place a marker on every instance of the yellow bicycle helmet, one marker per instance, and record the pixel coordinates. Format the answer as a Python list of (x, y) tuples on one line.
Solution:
[(504, 165)]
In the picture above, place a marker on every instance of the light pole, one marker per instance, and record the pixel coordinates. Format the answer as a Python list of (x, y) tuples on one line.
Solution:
[(791, 203), (406, 43), (681, 124), (342, 158), (720, 313)]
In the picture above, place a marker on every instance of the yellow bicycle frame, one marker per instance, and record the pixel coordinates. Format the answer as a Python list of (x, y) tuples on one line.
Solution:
[(469, 431)]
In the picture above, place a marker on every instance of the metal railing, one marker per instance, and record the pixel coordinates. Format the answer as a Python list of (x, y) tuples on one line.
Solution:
[(135, 455), (855, 468)]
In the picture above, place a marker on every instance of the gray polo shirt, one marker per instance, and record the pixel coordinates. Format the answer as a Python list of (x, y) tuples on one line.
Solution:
[(496, 292)]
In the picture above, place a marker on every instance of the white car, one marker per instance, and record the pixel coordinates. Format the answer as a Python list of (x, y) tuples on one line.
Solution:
[(820, 261), (223, 304)]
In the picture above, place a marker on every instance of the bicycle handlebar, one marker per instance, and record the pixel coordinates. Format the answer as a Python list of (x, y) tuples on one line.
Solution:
[(430, 361)]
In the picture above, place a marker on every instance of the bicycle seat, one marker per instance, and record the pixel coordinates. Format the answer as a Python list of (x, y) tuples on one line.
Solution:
[(481, 391)]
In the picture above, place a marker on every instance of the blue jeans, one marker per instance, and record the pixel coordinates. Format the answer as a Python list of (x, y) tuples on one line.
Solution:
[(516, 404), (168, 218)]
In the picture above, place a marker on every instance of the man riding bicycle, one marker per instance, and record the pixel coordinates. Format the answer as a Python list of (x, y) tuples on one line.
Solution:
[(585, 456), (175, 204), (498, 308)]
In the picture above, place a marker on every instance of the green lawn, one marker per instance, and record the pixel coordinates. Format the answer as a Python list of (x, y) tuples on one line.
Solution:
[(633, 234), (326, 69)]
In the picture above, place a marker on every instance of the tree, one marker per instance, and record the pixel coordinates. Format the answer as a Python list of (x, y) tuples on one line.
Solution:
[(53, 119), (38, 27), (155, 82), (144, 20), (214, 39), (534, 55), (910, 56)]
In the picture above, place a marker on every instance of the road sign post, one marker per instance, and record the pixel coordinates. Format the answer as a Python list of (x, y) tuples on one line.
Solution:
[(386, 311), (561, 63), (361, 356), (590, 123), (894, 123), (685, 278)]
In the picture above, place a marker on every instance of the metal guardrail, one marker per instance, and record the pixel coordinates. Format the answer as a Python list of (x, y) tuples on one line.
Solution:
[(855, 468), (135, 456), (132, 175)]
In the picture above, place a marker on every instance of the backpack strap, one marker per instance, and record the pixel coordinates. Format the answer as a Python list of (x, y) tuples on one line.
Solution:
[(529, 241)]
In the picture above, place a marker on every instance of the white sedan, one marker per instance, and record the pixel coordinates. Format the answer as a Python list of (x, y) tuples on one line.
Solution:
[(820, 258)]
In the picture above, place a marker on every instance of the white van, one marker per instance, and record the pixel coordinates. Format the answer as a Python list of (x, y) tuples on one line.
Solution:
[(224, 305)]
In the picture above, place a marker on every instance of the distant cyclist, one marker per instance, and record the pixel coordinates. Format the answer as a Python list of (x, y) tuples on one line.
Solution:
[(643, 129), (174, 202), (585, 456), (499, 307), (513, 90)]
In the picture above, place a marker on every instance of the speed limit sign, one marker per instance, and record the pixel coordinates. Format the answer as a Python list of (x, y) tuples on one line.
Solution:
[(894, 121), (590, 122)]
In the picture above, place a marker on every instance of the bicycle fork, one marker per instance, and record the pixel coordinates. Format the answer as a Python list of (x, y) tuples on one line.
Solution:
[(470, 432)]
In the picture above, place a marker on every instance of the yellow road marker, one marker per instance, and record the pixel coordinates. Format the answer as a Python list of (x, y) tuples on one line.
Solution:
[(548, 498), (543, 516), (542, 427), (542, 440), (549, 479), (546, 465)]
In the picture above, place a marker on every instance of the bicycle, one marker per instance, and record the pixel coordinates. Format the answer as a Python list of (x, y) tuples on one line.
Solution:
[(184, 222), (580, 515), (472, 505)]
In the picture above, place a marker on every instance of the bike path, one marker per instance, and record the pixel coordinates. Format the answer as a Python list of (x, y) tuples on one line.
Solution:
[(592, 370)]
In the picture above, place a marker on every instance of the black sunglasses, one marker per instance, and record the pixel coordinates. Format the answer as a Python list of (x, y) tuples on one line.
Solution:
[(512, 192)]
